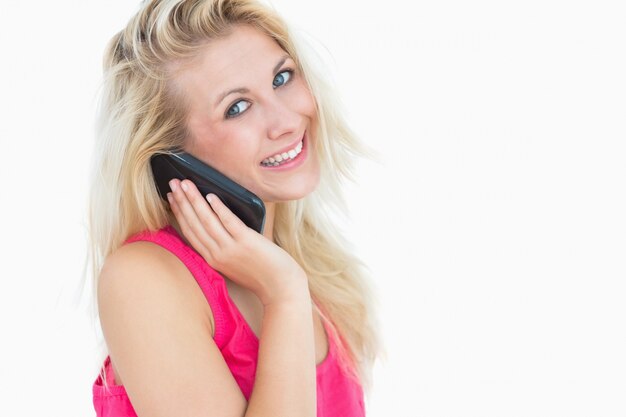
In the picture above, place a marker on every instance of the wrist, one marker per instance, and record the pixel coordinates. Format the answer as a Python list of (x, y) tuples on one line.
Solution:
[(292, 289)]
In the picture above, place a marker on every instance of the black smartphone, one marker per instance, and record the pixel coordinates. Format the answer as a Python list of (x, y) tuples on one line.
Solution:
[(242, 202)]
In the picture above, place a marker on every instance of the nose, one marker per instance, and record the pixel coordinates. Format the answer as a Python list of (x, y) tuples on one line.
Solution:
[(283, 120)]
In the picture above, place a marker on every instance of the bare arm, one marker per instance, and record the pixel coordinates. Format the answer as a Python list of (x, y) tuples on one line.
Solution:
[(285, 382), (154, 318)]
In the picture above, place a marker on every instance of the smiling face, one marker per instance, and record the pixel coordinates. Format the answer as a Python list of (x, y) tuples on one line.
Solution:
[(268, 116)]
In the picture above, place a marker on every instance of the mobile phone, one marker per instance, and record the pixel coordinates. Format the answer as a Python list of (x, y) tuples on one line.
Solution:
[(242, 202)]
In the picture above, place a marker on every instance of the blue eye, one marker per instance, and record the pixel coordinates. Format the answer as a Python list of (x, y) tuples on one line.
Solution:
[(241, 106), (230, 114), (282, 78)]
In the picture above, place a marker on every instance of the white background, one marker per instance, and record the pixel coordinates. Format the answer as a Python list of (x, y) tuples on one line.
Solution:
[(495, 228)]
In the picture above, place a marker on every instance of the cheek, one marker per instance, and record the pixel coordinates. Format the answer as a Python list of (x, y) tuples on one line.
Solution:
[(226, 150), (237, 157), (304, 101)]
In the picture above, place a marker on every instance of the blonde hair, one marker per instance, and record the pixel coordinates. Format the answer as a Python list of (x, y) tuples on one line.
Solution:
[(140, 115)]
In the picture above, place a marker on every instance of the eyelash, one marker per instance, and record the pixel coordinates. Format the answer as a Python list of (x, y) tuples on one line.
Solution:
[(291, 75)]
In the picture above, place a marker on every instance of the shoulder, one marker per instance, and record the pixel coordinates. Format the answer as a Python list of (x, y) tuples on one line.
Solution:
[(144, 275), (152, 315), (134, 260)]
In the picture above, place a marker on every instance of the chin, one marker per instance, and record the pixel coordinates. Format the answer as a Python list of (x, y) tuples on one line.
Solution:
[(297, 192), (283, 198)]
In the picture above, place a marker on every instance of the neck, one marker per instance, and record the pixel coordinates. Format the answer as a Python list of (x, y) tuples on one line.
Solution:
[(270, 212)]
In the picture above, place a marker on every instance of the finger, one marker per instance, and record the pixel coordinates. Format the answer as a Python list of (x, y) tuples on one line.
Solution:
[(233, 224), (188, 215), (184, 226), (208, 218)]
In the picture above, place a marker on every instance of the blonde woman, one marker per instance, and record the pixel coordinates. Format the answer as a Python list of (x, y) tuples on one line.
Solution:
[(201, 315)]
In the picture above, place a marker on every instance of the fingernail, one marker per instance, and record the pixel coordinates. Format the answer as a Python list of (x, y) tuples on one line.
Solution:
[(209, 198), (173, 185), (169, 197), (183, 185)]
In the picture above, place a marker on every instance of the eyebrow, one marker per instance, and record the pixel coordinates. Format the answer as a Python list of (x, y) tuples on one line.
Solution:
[(245, 90)]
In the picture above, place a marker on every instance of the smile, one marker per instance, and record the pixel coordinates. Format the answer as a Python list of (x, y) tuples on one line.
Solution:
[(284, 157)]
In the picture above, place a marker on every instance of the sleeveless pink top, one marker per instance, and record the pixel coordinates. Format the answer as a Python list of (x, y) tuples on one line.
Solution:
[(337, 394)]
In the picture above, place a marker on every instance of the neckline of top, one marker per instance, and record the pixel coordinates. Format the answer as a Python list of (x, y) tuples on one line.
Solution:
[(169, 229)]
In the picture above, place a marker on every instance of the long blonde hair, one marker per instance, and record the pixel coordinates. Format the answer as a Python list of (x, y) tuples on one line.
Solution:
[(139, 116)]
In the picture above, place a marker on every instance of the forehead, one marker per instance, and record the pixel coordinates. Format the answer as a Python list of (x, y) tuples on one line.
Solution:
[(236, 60)]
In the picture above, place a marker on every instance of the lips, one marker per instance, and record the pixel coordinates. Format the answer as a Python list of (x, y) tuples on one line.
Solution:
[(284, 155), (286, 149), (283, 158)]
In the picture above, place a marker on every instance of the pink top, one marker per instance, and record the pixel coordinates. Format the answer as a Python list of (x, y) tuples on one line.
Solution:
[(337, 394)]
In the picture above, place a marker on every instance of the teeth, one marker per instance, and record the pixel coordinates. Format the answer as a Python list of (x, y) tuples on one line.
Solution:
[(284, 157)]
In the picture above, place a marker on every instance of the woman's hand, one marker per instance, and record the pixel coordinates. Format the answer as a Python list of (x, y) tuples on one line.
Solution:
[(235, 250)]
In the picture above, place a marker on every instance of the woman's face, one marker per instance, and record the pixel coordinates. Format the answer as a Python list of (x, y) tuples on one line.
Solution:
[(270, 112)]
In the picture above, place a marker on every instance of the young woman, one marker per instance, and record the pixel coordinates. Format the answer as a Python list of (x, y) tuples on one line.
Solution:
[(201, 315)]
